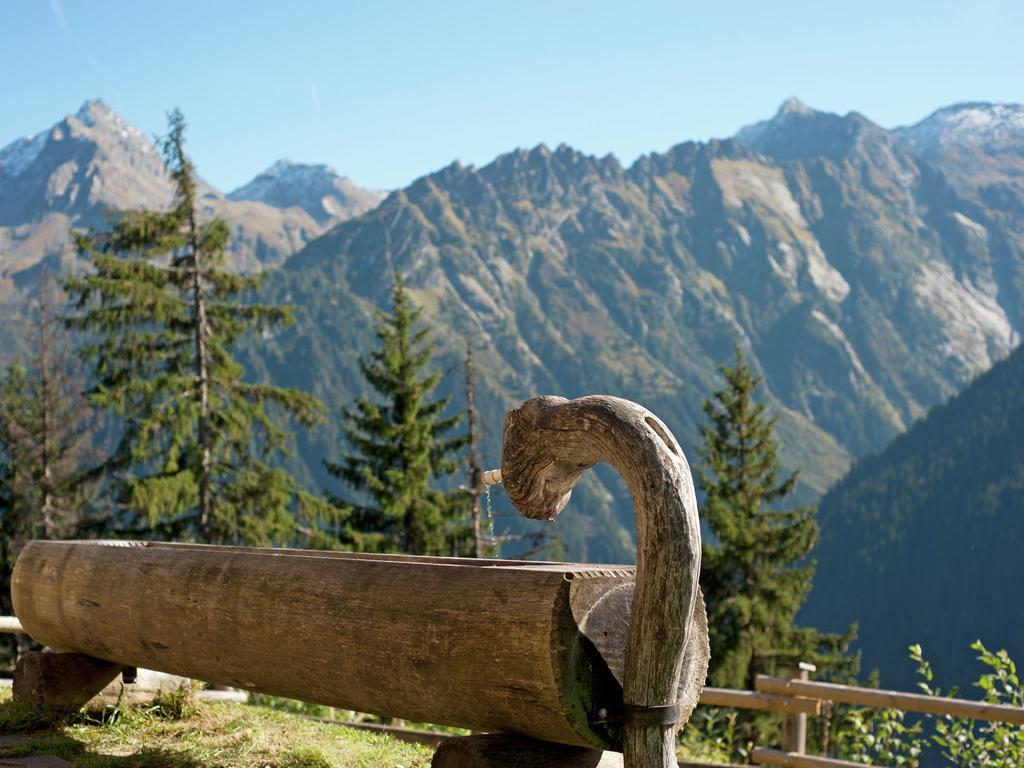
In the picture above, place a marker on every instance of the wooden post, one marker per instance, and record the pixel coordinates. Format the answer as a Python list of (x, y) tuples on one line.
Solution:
[(548, 443), (794, 726), (60, 682)]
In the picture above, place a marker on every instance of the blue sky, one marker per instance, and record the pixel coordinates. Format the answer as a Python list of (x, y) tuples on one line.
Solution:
[(386, 91)]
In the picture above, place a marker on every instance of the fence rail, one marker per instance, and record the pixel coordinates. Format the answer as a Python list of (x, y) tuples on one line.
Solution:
[(871, 697), (778, 757), (9, 625), (769, 702)]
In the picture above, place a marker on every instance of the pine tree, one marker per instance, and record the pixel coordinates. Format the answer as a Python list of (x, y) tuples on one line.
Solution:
[(399, 441), (161, 314), (757, 573)]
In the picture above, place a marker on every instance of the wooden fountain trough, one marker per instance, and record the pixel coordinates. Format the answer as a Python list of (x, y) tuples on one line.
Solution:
[(600, 656)]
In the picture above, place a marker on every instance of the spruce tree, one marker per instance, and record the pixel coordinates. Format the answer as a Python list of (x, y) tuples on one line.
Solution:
[(45, 427), (45, 442), (756, 572), (161, 314), (399, 440)]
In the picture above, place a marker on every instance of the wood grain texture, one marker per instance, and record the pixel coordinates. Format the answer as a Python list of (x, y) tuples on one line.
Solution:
[(487, 646), (548, 443)]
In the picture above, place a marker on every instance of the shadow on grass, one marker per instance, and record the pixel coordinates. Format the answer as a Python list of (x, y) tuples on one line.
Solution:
[(81, 756), (39, 733)]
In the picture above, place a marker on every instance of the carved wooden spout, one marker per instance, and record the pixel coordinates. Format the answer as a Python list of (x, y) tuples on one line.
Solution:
[(548, 443)]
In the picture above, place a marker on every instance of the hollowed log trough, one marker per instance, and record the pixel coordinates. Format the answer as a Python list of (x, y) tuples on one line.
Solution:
[(600, 656)]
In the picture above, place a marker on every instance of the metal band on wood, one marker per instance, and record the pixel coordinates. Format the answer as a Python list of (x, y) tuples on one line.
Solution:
[(633, 714)]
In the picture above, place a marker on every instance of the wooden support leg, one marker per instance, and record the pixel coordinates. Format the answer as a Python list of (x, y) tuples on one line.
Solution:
[(60, 682), (794, 726), (500, 751), (142, 688)]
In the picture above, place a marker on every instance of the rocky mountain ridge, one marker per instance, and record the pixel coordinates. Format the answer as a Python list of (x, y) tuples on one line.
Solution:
[(857, 277), (866, 281)]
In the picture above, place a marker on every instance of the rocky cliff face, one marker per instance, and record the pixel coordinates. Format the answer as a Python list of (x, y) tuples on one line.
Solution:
[(918, 251)]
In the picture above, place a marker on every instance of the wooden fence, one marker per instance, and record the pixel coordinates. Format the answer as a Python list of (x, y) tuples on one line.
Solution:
[(796, 697)]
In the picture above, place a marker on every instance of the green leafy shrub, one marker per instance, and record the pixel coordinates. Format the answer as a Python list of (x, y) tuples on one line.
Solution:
[(966, 743), (880, 737), (712, 736), (885, 737)]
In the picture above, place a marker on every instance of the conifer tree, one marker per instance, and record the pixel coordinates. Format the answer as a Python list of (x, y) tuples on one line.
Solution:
[(161, 314), (757, 572), (399, 441), (45, 442), (45, 429)]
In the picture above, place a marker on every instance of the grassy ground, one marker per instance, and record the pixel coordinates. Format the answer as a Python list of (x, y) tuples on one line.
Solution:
[(180, 733)]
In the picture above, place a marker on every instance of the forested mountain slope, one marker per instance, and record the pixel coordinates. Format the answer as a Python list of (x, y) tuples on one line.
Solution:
[(923, 542)]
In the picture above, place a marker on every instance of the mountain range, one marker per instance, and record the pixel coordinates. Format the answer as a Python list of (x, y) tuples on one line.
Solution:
[(91, 162), (868, 273)]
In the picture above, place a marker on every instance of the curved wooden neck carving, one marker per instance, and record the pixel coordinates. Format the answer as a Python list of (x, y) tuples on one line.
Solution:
[(548, 443)]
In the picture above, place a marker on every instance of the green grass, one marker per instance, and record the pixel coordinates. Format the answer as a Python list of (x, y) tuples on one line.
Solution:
[(181, 733)]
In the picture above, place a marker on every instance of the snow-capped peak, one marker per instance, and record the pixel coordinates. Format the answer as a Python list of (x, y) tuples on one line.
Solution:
[(317, 189), (972, 123), (17, 156), (281, 167), (287, 178), (755, 135), (98, 115), (299, 172), (793, 106)]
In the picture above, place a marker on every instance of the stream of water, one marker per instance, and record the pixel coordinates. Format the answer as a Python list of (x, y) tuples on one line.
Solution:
[(490, 523)]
